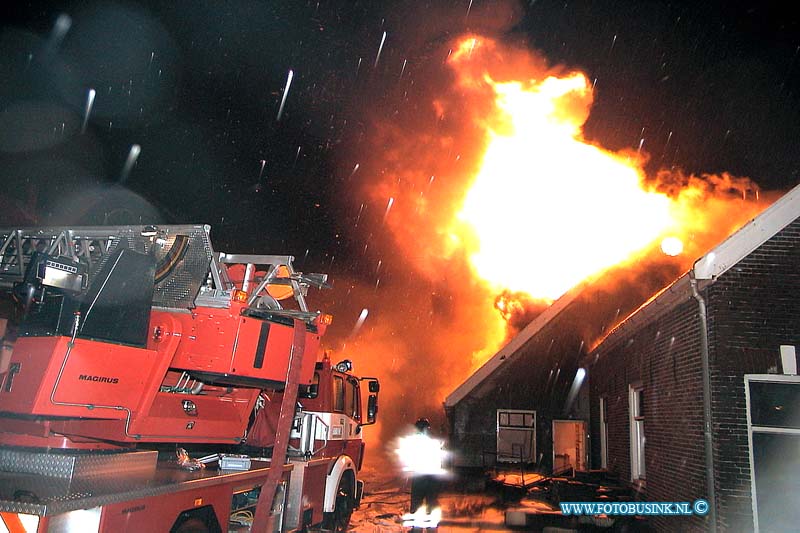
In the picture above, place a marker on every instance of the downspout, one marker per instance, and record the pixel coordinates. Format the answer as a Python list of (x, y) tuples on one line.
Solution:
[(707, 433)]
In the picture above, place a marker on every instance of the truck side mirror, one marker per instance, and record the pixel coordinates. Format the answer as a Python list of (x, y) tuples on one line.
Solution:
[(372, 409), (372, 384)]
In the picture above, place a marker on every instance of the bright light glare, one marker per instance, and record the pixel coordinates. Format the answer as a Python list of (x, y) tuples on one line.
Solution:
[(549, 208), (672, 246), (555, 208), (421, 454), (421, 519)]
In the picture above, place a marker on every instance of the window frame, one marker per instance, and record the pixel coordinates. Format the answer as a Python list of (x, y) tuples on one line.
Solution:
[(337, 392), (638, 436), (603, 432)]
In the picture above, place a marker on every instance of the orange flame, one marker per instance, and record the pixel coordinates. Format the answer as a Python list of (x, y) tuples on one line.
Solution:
[(548, 209), (490, 193)]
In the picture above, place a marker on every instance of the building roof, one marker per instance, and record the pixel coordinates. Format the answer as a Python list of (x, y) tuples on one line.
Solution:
[(706, 269), (716, 262), (508, 352)]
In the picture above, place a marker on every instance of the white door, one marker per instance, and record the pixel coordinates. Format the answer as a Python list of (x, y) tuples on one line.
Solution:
[(569, 445)]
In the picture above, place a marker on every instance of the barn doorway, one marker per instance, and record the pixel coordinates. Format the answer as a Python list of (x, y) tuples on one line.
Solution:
[(569, 445)]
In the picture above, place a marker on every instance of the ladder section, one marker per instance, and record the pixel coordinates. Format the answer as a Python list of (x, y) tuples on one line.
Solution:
[(71, 256)]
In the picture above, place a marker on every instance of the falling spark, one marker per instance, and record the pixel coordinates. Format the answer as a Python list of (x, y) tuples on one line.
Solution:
[(405, 61), (358, 218), (469, 7), (285, 92), (360, 322), (358, 67), (388, 208), (89, 104), (297, 155), (380, 49), (353, 173), (580, 375), (133, 155), (60, 29), (261, 172)]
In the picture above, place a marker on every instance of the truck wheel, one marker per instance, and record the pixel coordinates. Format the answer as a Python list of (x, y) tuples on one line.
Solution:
[(193, 525), (339, 520)]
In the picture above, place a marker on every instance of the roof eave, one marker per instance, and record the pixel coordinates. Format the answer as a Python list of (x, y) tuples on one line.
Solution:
[(509, 350)]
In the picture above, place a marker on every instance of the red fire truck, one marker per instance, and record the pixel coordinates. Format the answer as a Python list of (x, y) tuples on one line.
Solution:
[(151, 383)]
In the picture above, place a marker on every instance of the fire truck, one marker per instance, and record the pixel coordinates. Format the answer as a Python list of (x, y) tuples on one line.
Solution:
[(151, 383)]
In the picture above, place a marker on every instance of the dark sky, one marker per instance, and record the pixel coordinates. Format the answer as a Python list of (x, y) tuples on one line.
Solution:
[(710, 86)]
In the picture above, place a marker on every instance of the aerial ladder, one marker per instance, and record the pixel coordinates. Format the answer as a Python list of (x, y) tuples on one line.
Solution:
[(119, 340)]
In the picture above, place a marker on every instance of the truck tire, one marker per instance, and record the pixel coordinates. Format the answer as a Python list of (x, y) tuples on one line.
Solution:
[(200, 520), (193, 525), (338, 521)]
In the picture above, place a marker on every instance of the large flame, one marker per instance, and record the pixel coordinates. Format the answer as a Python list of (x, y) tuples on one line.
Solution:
[(548, 209), (495, 204)]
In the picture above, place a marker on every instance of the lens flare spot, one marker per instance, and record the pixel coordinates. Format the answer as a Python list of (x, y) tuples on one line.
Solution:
[(672, 246)]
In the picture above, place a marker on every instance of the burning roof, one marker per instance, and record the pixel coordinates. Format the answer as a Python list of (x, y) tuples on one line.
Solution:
[(487, 202), (561, 315)]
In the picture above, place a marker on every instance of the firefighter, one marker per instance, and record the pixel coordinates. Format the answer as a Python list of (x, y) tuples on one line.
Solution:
[(423, 456)]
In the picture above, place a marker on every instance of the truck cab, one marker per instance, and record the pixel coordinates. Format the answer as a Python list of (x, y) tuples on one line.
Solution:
[(326, 433)]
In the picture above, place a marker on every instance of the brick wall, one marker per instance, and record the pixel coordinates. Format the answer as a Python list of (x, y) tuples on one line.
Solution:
[(541, 373), (538, 379), (664, 357), (753, 309)]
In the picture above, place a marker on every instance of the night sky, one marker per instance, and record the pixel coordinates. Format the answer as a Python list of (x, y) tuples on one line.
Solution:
[(704, 86)]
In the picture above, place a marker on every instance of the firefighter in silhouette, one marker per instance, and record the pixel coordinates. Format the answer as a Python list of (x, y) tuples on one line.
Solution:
[(423, 456)]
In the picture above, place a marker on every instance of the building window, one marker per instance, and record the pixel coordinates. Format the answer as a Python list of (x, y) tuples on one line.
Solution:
[(603, 432), (351, 398), (636, 404), (338, 394), (516, 432)]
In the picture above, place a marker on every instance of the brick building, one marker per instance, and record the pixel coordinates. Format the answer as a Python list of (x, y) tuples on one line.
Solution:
[(529, 403), (638, 392), (725, 319)]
